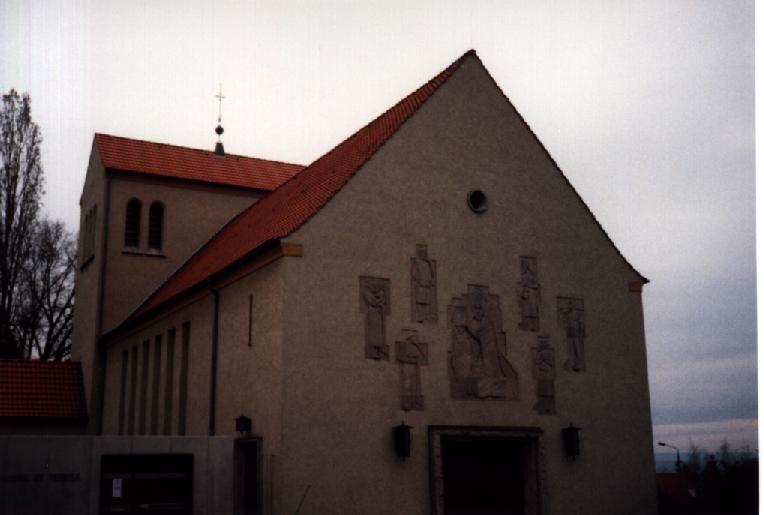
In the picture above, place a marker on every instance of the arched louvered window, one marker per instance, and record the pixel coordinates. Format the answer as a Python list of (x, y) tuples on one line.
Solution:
[(133, 223), (156, 218)]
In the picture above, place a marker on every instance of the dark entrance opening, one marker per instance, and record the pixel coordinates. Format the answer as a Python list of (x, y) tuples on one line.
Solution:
[(248, 477), (485, 470), (160, 484), (483, 477)]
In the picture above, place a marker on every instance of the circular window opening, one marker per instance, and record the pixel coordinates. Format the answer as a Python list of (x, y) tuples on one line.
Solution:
[(477, 201)]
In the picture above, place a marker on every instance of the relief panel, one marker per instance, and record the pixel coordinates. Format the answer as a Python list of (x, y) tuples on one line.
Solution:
[(570, 316), (424, 294), (411, 354), (529, 294), (375, 305), (478, 364), (545, 372)]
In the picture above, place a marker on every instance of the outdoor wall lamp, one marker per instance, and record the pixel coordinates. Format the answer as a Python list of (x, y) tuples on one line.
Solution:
[(402, 440), (571, 440), (243, 425)]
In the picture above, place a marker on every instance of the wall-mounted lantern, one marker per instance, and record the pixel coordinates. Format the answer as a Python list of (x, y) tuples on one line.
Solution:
[(402, 440), (571, 440), (243, 425)]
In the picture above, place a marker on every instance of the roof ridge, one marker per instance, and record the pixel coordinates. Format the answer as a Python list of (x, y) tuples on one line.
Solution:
[(195, 149), (36, 361), (383, 113), (284, 208), (155, 159)]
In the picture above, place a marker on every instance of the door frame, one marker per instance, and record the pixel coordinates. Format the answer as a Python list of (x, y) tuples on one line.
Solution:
[(529, 437), (238, 476)]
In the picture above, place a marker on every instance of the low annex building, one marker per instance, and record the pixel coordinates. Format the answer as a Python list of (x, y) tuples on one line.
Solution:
[(426, 319), (41, 397)]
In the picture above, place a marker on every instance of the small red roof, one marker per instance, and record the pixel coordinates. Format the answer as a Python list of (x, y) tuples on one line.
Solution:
[(292, 204), (33, 388), (145, 157)]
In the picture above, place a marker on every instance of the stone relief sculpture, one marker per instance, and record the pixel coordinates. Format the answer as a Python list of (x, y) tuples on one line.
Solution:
[(478, 364), (570, 316), (529, 294), (411, 354), (544, 368), (375, 304), (424, 296)]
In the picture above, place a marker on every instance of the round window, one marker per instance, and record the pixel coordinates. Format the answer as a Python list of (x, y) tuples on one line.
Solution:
[(477, 201)]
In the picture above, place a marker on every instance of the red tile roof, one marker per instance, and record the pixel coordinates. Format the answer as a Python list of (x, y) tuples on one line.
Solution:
[(32, 388), (292, 204), (145, 157)]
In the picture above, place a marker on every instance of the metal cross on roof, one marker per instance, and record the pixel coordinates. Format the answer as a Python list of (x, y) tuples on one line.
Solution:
[(220, 98), (219, 129)]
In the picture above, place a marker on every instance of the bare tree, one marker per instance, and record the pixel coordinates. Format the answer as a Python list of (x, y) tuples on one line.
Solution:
[(21, 185), (43, 321)]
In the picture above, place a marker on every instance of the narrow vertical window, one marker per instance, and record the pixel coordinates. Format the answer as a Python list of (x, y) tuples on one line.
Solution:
[(249, 329), (85, 241), (93, 219), (156, 218), (157, 374), (169, 382), (123, 392), (133, 223), (144, 387), (133, 389), (87, 236), (183, 398)]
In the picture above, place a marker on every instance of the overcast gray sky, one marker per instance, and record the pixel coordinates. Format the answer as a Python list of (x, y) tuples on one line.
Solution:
[(648, 107)]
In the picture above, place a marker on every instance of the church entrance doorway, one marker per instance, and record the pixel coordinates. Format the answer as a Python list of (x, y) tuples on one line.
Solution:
[(483, 477), (248, 476), (485, 471)]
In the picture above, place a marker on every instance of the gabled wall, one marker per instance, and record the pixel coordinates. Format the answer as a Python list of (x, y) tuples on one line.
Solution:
[(340, 407), (114, 280)]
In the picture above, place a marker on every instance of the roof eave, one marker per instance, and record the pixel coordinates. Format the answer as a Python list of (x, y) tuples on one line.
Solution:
[(137, 316), (155, 175)]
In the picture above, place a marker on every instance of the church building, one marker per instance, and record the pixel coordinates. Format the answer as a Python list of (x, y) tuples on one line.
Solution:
[(428, 319)]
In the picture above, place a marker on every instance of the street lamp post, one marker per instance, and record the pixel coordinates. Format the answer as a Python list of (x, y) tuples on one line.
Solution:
[(678, 461)]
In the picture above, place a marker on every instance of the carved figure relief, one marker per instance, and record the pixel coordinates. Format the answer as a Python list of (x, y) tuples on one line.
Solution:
[(375, 304), (545, 375), (424, 296), (478, 364), (570, 316), (411, 354), (529, 294)]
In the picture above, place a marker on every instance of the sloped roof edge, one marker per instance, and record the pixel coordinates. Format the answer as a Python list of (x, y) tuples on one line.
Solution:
[(299, 198), (644, 279), (154, 159), (294, 202)]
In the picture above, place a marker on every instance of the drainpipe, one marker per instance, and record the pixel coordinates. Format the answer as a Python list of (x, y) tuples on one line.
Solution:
[(214, 360), (98, 363)]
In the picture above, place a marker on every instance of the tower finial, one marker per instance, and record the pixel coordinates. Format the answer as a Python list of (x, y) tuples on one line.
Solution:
[(219, 129)]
